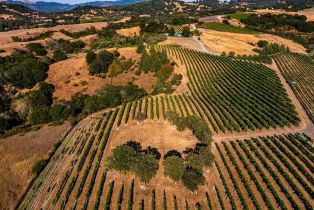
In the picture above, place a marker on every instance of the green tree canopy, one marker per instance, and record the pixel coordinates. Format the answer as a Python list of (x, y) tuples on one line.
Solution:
[(101, 63), (123, 158), (37, 48), (186, 31), (171, 31), (192, 178), (174, 167), (130, 157), (146, 166)]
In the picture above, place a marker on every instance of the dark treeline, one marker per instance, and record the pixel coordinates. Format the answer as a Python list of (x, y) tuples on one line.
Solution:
[(294, 27), (269, 21)]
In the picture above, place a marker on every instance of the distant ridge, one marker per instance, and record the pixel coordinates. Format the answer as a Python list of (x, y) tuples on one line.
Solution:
[(60, 7)]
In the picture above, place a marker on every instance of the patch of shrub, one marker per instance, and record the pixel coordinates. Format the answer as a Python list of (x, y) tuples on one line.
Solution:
[(186, 31), (67, 46), (90, 56), (37, 48), (272, 49), (8, 120), (39, 116), (59, 55), (262, 43), (42, 96)]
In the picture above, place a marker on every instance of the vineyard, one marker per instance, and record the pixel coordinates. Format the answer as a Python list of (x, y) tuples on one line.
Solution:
[(259, 173), (177, 28), (299, 74), (235, 95), (232, 96)]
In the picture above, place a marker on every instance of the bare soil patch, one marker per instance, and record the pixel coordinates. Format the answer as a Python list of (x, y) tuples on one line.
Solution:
[(18, 154), (7, 17), (129, 53), (161, 135), (211, 19), (184, 42), (242, 44)]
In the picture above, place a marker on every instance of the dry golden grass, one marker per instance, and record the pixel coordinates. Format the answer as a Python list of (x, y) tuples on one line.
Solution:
[(129, 32), (68, 75), (5, 37), (161, 135), (7, 17), (18, 154), (123, 20), (242, 44)]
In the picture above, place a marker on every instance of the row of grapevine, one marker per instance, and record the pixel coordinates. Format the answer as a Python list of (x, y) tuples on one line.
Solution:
[(299, 74), (234, 95), (272, 171), (151, 107), (79, 179), (80, 170)]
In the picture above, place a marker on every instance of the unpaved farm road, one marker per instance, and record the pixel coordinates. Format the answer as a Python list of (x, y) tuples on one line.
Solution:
[(306, 125), (202, 46)]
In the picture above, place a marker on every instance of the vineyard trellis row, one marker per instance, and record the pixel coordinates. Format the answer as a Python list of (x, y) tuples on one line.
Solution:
[(232, 96), (299, 74), (275, 180), (235, 95), (257, 172)]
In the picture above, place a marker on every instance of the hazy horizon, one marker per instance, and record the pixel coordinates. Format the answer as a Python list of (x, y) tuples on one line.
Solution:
[(70, 1), (75, 1)]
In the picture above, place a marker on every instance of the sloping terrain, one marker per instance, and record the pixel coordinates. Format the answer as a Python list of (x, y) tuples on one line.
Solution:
[(242, 44), (6, 37), (309, 13), (18, 154), (260, 172), (300, 76), (72, 76)]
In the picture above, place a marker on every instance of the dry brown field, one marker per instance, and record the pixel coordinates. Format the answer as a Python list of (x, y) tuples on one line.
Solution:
[(242, 44), (69, 76), (129, 32), (5, 37), (18, 154)]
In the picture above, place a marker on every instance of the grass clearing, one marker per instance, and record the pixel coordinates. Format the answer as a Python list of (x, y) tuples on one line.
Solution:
[(227, 28), (239, 15)]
